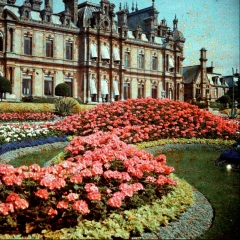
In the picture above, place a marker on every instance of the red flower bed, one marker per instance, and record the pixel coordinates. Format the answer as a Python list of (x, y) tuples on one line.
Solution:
[(101, 175), (6, 117), (136, 120)]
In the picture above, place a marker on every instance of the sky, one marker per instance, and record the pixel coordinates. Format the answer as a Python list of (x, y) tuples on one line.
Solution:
[(212, 24)]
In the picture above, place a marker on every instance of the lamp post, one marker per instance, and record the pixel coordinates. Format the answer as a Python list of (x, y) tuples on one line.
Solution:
[(234, 104), (163, 94)]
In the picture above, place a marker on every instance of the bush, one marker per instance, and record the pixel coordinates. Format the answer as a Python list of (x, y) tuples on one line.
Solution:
[(224, 99), (27, 99), (63, 90), (65, 106), (5, 86)]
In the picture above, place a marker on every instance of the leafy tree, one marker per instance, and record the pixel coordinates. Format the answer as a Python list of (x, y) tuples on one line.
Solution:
[(62, 89), (5, 86)]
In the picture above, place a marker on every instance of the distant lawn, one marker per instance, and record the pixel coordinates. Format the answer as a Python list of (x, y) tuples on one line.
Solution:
[(40, 158), (195, 165)]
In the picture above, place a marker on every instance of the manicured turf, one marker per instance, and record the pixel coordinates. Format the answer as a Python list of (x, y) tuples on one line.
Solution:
[(222, 188), (37, 157)]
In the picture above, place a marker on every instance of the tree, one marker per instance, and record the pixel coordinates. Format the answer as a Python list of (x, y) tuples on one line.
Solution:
[(62, 89), (5, 86)]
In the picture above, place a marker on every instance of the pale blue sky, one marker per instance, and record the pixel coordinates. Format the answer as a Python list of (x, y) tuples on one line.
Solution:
[(212, 24)]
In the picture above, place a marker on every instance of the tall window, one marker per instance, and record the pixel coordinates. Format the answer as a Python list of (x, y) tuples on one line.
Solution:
[(167, 62), (126, 87), (140, 60), (48, 85), (49, 48), (27, 45), (127, 59), (154, 63), (154, 91), (69, 54), (1, 42), (27, 85), (140, 90), (10, 40), (69, 82)]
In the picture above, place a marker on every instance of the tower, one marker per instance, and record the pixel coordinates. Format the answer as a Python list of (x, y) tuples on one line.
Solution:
[(72, 6)]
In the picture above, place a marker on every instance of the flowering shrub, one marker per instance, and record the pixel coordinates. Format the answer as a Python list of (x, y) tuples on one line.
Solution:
[(25, 116), (101, 175), (31, 143), (18, 132), (138, 120)]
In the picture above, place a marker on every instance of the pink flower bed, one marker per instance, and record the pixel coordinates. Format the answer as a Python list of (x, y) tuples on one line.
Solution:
[(136, 120), (27, 116), (100, 175)]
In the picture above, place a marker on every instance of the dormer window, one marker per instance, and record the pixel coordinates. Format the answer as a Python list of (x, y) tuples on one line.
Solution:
[(27, 14), (48, 18)]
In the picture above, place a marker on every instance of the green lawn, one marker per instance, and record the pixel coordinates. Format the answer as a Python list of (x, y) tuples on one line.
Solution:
[(222, 188), (38, 157)]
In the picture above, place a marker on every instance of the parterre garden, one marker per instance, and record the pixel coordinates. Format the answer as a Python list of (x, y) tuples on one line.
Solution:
[(101, 184)]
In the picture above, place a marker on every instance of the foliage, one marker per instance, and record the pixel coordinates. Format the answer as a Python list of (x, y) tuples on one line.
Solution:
[(27, 99), (63, 106), (101, 176), (30, 143), (62, 89), (224, 99), (138, 120), (25, 107), (5, 86)]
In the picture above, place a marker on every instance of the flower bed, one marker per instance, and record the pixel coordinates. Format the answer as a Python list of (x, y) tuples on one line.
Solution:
[(25, 116), (19, 132), (100, 176), (104, 183), (138, 120), (31, 143)]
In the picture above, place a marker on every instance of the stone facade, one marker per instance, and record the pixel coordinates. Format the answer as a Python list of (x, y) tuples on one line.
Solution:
[(102, 55)]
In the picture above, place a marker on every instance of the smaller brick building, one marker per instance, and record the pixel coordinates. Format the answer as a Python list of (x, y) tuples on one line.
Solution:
[(200, 82)]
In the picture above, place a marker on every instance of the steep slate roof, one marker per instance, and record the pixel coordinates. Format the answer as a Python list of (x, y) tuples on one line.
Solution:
[(190, 73), (85, 12)]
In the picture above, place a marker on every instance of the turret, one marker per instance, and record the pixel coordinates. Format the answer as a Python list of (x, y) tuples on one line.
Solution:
[(72, 7), (36, 4)]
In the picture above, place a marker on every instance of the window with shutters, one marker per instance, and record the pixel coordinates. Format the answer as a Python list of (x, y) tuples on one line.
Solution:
[(154, 91), (48, 85), (140, 90), (27, 85), (140, 60), (69, 82), (126, 90), (49, 48), (127, 59), (69, 53), (27, 45), (154, 63)]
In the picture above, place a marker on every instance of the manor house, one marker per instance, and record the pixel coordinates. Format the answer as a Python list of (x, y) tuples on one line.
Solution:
[(103, 54)]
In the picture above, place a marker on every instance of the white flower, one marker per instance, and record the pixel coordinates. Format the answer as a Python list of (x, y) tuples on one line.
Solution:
[(7, 139)]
